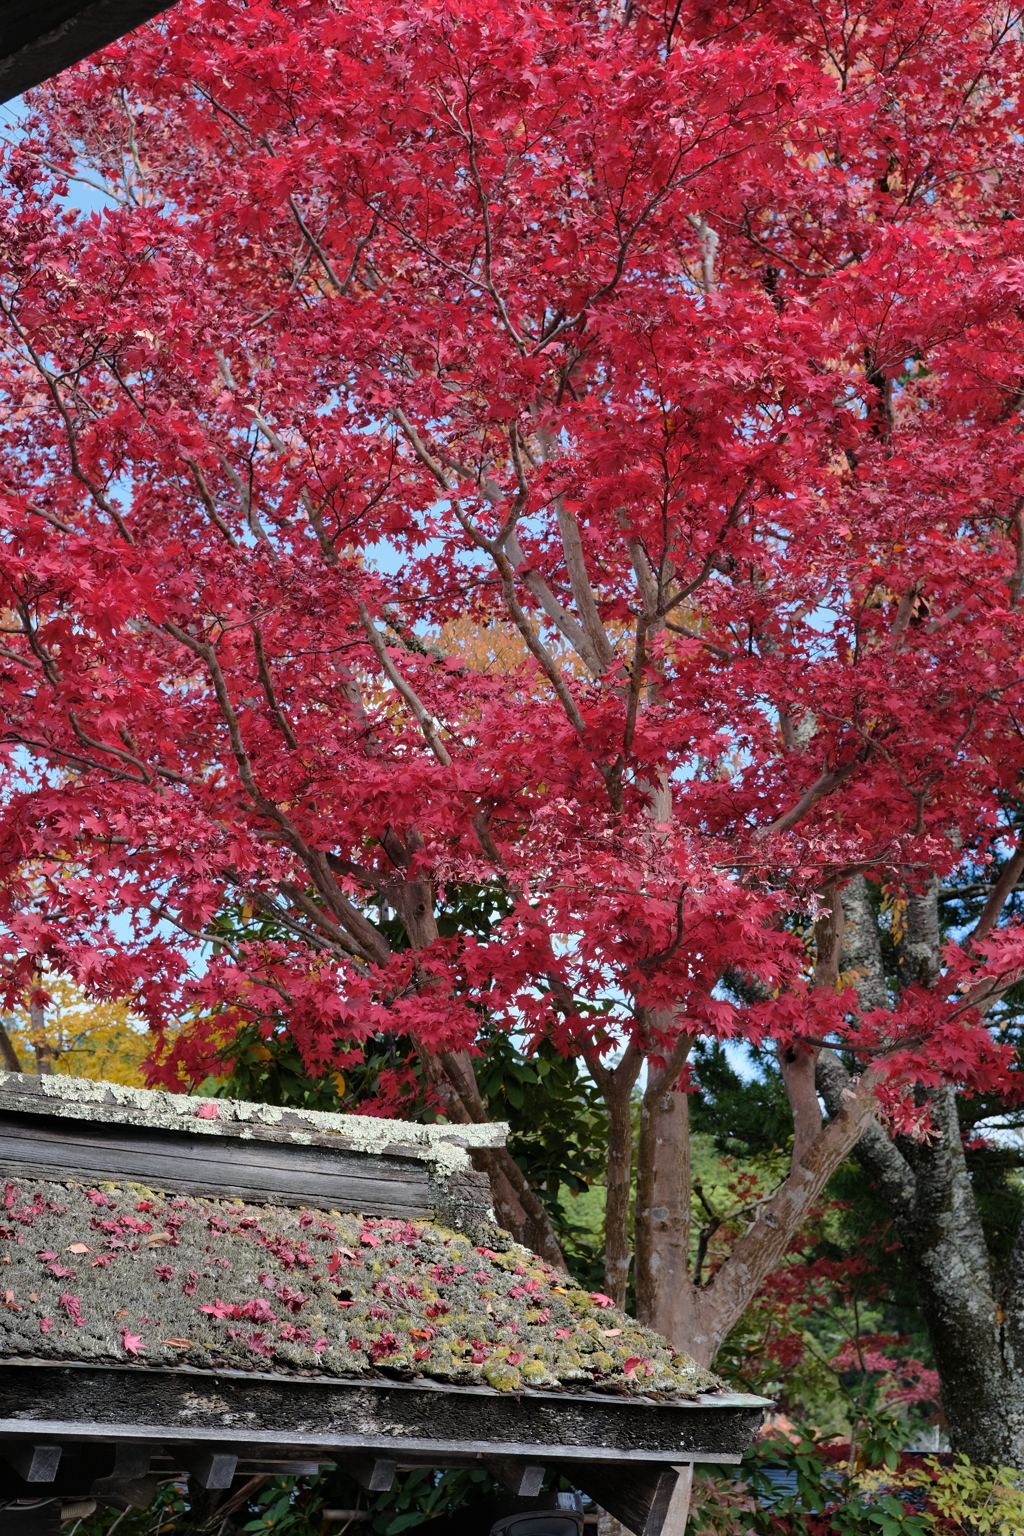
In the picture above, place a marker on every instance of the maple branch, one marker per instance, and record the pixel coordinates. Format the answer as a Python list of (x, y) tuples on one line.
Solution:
[(638, 558), (579, 577), (315, 246), (881, 1156), (522, 622), (713, 555), (368, 939), (51, 518), (708, 249), (709, 645), (506, 539), (207, 653), (636, 681), (365, 935), (102, 746), (104, 188), (245, 502), (312, 511), (419, 448), (570, 322), (267, 683), (424, 719), (47, 749), (1016, 581), (459, 1070), (361, 245), (536, 645), (272, 909), (318, 916), (204, 936), (562, 619), (616, 1085), (474, 170), (824, 785), (49, 666), (52, 390), (659, 958), (1008, 877), (760, 1249), (664, 1078), (209, 503)]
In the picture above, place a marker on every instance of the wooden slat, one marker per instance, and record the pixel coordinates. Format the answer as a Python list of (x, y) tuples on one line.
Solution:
[(35, 1146), (24, 1094)]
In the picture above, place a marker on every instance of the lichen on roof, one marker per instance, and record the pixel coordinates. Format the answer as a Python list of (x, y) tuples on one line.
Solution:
[(121, 1273), (443, 1147)]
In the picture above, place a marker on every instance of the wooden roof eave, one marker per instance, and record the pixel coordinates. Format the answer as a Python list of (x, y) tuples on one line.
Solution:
[(39, 38), (216, 1425)]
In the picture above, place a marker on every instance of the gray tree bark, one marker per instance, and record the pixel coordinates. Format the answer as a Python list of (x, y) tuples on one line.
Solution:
[(975, 1319)]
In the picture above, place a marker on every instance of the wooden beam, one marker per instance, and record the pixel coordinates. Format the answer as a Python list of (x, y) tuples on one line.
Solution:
[(227, 1167), (523, 1478), (127, 1480), (210, 1465), (638, 1494), (34, 1462), (374, 1473), (131, 1460)]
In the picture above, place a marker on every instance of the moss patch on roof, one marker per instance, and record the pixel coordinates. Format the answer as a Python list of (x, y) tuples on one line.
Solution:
[(121, 1273)]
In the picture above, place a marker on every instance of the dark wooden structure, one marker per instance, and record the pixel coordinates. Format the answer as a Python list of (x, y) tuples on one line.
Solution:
[(80, 1428), (250, 1151), (39, 38)]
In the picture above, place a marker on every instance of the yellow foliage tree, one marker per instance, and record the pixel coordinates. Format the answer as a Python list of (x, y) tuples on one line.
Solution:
[(80, 1036)]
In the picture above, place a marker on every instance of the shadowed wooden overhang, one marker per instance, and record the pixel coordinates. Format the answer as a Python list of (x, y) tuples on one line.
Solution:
[(39, 38)]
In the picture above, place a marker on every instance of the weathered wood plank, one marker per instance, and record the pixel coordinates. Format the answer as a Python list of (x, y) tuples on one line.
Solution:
[(298, 1418), (34, 1146), (84, 1101)]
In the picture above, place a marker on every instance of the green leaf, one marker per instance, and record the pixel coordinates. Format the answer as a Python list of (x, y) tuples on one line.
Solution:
[(402, 1522)]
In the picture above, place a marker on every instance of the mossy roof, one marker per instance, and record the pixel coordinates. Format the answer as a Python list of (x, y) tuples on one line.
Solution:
[(121, 1273)]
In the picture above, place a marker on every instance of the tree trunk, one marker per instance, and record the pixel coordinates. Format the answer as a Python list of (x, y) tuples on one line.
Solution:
[(10, 1055), (978, 1347), (617, 1086), (517, 1206), (976, 1326), (40, 1044), (695, 1314), (662, 1219)]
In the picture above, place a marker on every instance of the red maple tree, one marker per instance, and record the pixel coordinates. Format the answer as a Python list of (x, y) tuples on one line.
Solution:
[(674, 356)]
